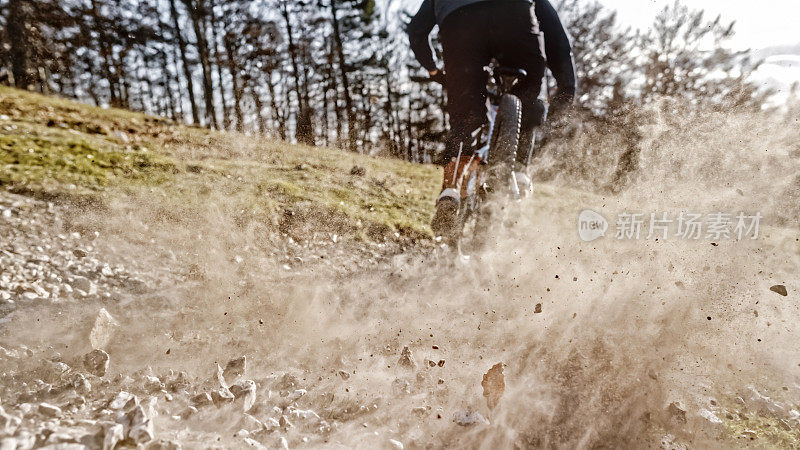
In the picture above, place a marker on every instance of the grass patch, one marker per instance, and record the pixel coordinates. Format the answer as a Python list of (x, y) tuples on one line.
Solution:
[(37, 162), (61, 147)]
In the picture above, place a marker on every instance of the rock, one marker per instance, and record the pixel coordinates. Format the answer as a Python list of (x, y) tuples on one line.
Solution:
[(222, 396), (246, 391), (120, 400), (407, 359), (676, 412), (779, 289), (202, 399), (8, 422), (81, 384), (494, 385), (188, 412), (96, 362), (153, 384), (163, 444), (133, 418), (112, 434), (103, 329), (283, 443), (396, 444), (49, 410), (235, 369), (467, 418), (142, 433)]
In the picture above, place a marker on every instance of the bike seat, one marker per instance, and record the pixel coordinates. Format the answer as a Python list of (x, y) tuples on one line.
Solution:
[(511, 72)]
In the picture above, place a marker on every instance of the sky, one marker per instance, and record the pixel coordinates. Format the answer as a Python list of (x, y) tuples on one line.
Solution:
[(759, 23)]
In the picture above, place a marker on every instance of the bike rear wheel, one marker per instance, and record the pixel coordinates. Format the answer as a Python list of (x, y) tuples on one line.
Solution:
[(505, 141)]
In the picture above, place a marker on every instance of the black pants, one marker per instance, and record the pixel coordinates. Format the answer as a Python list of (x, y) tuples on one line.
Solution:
[(473, 35)]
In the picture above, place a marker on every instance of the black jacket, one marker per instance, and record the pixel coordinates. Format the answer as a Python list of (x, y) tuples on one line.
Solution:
[(558, 50)]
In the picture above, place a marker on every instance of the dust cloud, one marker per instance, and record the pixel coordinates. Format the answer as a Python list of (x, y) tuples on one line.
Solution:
[(598, 338)]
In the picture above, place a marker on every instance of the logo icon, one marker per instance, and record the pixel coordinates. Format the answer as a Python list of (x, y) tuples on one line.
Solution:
[(591, 225)]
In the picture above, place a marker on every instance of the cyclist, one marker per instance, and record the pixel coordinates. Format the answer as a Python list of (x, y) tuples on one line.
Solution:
[(472, 33)]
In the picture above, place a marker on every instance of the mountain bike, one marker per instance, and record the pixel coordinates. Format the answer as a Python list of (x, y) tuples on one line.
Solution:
[(484, 178)]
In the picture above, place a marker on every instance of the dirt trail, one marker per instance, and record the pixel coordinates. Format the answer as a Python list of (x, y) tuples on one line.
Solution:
[(632, 343)]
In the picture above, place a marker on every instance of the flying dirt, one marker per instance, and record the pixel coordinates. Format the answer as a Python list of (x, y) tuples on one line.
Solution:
[(143, 321)]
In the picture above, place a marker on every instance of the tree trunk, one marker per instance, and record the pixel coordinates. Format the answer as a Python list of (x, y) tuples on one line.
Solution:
[(19, 52), (304, 133), (335, 88), (352, 132), (167, 80), (262, 123), (197, 14), (106, 56), (212, 16), (237, 90), (275, 110), (187, 71)]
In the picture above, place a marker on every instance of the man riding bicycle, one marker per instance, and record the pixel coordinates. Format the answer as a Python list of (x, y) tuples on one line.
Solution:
[(473, 32)]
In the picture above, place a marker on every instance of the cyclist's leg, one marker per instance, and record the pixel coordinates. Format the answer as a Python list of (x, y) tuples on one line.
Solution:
[(517, 44), (465, 43)]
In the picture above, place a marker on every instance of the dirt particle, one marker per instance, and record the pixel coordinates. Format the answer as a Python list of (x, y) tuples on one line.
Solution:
[(406, 358), (494, 385), (779, 289)]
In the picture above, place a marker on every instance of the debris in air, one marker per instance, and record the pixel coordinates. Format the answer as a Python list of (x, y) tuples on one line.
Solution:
[(407, 359), (467, 418), (494, 385), (779, 289)]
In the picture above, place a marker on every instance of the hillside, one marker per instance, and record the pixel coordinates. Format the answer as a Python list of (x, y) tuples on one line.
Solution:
[(55, 147), (167, 286)]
